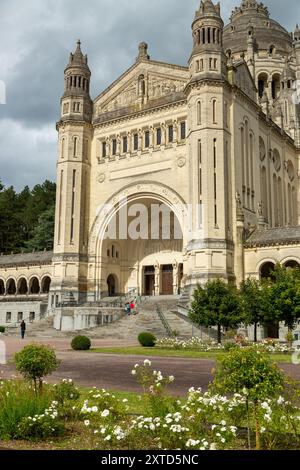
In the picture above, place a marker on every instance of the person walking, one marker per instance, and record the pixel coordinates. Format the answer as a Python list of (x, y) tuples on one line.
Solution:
[(127, 309), (23, 329)]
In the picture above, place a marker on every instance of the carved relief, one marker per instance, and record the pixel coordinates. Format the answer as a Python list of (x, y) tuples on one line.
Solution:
[(101, 177), (156, 86), (181, 162)]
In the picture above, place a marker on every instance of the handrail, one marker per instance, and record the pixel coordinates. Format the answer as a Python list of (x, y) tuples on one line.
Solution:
[(164, 321)]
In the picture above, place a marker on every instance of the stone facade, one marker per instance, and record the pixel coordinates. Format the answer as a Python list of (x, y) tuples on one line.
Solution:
[(216, 142)]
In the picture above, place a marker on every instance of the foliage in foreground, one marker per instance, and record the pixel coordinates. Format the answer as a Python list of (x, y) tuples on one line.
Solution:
[(257, 401)]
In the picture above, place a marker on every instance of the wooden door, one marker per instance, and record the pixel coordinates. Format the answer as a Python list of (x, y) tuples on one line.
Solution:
[(167, 280)]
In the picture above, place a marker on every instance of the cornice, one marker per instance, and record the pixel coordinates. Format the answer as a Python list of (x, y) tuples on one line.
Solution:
[(137, 114)]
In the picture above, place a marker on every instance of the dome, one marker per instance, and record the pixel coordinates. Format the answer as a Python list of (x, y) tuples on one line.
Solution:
[(253, 19)]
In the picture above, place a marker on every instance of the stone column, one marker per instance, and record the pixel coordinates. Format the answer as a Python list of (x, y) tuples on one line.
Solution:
[(175, 277), (163, 134), (157, 279), (175, 132)]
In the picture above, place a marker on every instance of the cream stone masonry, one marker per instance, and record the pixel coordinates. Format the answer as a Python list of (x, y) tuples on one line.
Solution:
[(217, 143)]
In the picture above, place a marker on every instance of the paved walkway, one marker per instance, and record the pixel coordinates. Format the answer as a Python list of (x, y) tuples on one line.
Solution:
[(113, 372)]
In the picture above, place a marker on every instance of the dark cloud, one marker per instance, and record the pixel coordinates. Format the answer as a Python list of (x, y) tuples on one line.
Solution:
[(36, 38)]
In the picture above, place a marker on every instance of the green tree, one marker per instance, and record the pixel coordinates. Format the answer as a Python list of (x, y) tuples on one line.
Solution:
[(282, 297), (216, 304), (249, 372), (253, 303), (36, 361), (43, 234)]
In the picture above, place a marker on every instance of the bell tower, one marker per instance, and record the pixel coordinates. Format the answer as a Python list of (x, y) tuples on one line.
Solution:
[(73, 174), (210, 248)]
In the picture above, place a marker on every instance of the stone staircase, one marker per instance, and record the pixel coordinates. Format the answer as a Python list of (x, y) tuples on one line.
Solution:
[(129, 327)]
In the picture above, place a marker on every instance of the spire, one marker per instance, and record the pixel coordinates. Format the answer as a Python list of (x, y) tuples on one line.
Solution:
[(78, 59), (143, 52)]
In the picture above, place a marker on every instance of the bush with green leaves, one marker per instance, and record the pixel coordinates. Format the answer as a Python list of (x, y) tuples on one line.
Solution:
[(18, 400), (35, 362), (252, 373), (147, 340), (229, 346), (2, 329), (81, 343), (40, 427), (65, 391)]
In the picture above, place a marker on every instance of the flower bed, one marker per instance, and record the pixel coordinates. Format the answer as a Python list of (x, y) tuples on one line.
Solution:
[(103, 420)]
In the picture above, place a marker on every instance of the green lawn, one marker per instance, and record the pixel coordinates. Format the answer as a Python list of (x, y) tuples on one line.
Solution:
[(158, 352)]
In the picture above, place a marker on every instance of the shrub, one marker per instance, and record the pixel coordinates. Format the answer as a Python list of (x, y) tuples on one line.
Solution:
[(2, 329), (42, 426), (229, 346), (65, 391), (36, 361), (249, 372), (81, 343), (147, 340), (18, 400)]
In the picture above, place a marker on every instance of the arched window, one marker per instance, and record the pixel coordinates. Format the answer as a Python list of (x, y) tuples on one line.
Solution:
[(272, 50), (75, 146), (262, 83), (63, 141), (292, 264), (266, 270), (214, 111), (22, 286), (199, 112), (2, 287), (46, 282), (264, 192), (275, 197), (34, 286), (280, 202), (11, 288)]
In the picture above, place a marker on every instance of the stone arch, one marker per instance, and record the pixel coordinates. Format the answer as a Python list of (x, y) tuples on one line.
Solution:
[(22, 286), (34, 285), (11, 288), (266, 268), (45, 284), (146, 191), (133, 192), (262, 83), (291, 263), (2, 287)]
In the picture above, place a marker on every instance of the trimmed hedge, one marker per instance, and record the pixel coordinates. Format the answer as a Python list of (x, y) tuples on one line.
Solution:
[(81, 343), (147, 340), (2, 329)]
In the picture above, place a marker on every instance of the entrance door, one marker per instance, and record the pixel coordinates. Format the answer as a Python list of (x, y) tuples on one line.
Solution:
[(149, 280), (111, 285), (167, 280)]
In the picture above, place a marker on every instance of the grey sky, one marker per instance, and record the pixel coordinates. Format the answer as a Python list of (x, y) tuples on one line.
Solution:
[(36, 38)]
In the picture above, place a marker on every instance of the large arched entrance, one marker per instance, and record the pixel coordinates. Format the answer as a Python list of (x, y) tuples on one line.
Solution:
[(111, 285), (140, 239)]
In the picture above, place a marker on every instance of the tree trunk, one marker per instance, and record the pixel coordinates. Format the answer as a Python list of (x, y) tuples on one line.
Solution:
[(255, 332), (219, 334), (257, 427)]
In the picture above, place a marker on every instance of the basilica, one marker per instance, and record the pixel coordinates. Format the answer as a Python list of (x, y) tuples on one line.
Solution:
[(205, 155)]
